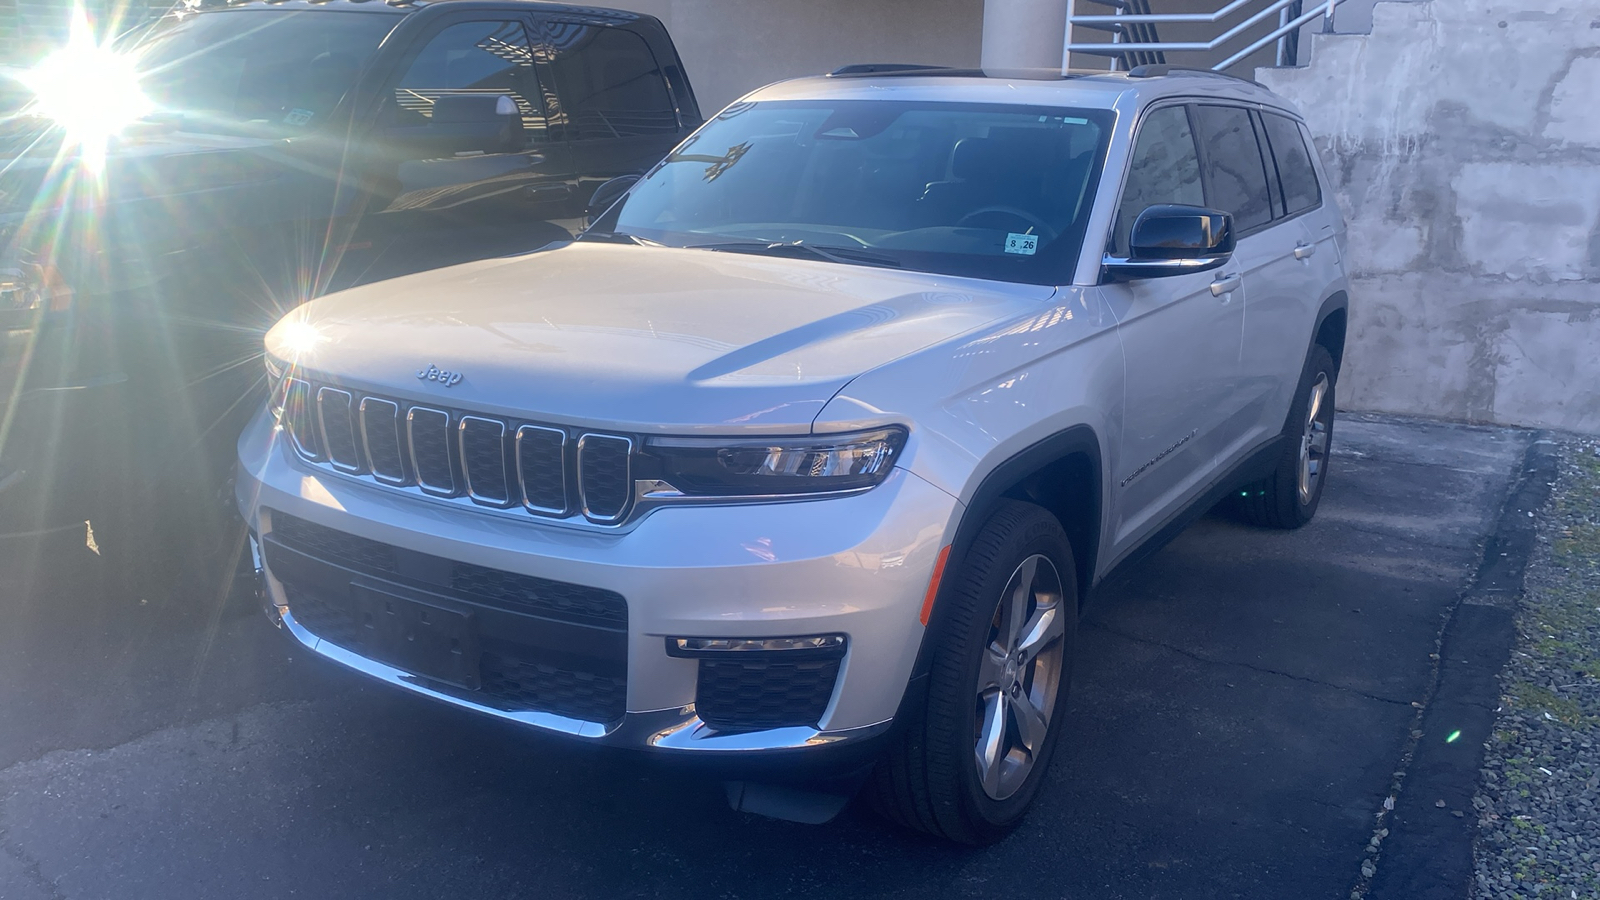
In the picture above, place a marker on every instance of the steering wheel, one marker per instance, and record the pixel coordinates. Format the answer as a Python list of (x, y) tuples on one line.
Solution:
[(1045, 232)]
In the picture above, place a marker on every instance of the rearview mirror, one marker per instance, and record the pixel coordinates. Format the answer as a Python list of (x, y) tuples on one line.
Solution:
[(608, 193), (1169, 239), (464, 123)]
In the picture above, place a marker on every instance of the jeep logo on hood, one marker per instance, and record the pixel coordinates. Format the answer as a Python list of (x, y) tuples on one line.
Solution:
[(444, 377)]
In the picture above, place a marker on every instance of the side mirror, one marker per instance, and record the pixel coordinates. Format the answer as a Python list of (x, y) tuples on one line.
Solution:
[(607, 193), (464, 123), (1169, 239)]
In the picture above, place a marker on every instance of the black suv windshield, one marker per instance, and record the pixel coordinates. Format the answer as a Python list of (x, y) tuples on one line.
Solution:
[(255, 71), (984, 190)]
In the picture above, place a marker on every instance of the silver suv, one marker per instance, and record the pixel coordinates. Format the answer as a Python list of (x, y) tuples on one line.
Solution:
[(805, 456)]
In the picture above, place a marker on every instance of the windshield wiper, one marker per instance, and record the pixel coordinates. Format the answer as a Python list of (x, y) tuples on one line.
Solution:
[(616, 237), (844, 255)]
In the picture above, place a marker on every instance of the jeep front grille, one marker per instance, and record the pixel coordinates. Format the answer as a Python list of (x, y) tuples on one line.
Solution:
[(491, 461)]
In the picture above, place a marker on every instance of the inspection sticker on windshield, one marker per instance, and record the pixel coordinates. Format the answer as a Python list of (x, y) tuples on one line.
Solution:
[(298, 116), (1025, 244)]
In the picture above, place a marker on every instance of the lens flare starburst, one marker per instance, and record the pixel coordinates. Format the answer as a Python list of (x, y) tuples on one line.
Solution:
[(89, 89)]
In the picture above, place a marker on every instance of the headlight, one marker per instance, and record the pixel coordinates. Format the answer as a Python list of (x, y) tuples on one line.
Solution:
[(712, 467), (27, 286)]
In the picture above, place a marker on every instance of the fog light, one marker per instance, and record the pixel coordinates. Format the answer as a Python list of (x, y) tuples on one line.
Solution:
[(819, 645)]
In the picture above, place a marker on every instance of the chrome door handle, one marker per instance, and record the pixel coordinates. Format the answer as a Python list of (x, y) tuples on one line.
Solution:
[(1225, 284), (1303, 250)]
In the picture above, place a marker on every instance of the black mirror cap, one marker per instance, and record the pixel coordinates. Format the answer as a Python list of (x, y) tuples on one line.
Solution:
[(609, 192), (1173, 231)]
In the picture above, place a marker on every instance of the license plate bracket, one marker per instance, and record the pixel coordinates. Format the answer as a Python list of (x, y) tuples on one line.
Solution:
[(407, 632)]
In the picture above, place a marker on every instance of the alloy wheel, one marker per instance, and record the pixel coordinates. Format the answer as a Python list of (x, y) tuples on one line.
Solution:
[(1314, 438), (1019, 677)]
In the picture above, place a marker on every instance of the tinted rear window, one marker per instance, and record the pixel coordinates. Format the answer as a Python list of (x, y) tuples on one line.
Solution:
[(1295, 171), (1236, 178)]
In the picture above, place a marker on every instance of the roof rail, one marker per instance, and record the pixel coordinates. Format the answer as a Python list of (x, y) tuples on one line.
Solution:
[(875, 68), (1156, 70)]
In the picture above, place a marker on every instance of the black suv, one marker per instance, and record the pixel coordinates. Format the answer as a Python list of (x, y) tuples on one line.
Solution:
[(289, 148)]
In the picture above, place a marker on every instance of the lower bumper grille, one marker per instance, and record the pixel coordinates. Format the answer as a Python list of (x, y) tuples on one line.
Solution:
[(745, 695), (539, 645)]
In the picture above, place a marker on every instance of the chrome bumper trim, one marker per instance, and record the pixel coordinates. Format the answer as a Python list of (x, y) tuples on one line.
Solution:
[(670, 730)]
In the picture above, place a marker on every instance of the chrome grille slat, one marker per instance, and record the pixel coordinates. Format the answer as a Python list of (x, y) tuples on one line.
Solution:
[(428, 437), (334, 413), (605, 477), (483, 460), (542, 469), (380, 437), (300, 419)]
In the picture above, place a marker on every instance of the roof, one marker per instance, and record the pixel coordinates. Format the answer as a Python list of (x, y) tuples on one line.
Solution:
[(1034, 87)]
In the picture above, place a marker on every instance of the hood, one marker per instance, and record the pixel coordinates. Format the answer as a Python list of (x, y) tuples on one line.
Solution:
[(643, 339)]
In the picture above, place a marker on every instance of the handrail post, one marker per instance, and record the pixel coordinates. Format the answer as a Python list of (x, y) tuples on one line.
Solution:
[(1327, 18), (1066, 39), (1289, 40)]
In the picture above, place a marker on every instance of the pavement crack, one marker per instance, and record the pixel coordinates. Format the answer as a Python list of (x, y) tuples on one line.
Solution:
[(1243, 665), (30, 866)]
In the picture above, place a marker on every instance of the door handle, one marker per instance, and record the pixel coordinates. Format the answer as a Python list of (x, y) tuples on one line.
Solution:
[(1304, 250), (1225, 284)]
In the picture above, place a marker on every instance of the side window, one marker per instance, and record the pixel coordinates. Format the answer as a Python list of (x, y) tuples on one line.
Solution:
[(1236, 178), (474, 58), (1164, 169), (611, 85), (1298, 176)]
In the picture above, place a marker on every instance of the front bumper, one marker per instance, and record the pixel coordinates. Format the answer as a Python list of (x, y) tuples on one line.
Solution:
[(857, 566)]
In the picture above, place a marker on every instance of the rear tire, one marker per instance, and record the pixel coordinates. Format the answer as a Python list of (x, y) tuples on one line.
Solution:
[(1288, 498), (972, 755)]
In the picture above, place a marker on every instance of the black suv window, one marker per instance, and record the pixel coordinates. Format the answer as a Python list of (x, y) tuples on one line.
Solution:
[(1298, 177), (475, 58), (611, 85), (1165, 169), (1236, 177)]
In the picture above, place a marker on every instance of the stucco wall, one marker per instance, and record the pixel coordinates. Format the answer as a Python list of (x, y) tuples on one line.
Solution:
[(730, 47), (1464, 140)]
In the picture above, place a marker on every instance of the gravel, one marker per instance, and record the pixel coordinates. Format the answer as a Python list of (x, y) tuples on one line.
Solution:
[(1539, 803)]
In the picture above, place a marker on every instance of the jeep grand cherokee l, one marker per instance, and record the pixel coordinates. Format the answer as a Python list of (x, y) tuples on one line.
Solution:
[(820, 436)]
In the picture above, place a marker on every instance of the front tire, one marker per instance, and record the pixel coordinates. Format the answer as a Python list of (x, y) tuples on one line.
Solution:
[(1288, 498), (972, 756)]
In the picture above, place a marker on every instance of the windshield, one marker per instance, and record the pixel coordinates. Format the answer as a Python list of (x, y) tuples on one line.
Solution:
[(273, 72), (984, 190)]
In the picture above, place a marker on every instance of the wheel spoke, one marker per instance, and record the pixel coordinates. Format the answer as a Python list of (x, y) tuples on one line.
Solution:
[(991, 749), (991, 671), (1319, 439), (1318, 391), (1042, 630), (1032, 725), (1016, 615)]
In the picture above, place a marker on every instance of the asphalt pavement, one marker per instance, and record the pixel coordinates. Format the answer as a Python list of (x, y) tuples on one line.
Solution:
[(1244, 703)]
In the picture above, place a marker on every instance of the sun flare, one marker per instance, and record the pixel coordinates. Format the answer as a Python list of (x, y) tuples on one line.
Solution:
[(89, 89)]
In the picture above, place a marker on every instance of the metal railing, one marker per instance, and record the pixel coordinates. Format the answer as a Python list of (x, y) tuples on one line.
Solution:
[(1134, 40)]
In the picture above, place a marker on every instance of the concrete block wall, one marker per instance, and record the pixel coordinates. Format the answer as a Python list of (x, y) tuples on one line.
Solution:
[(1463, 137)]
